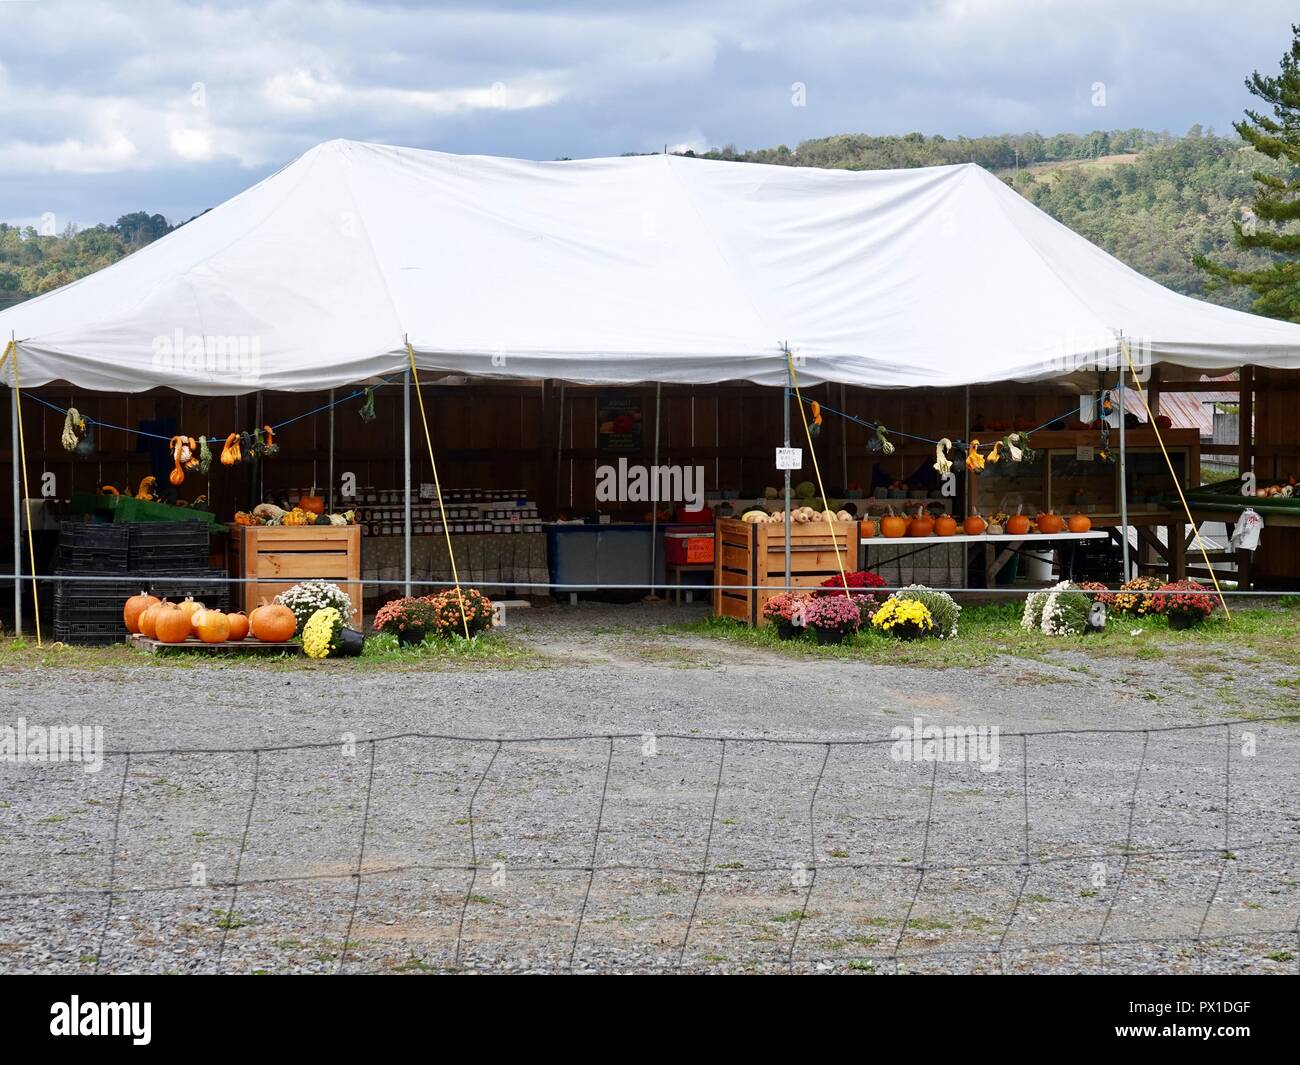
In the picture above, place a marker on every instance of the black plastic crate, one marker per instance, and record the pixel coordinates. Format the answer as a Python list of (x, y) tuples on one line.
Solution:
[(87, 547), (90, 633), (168, 546), (177, 588)]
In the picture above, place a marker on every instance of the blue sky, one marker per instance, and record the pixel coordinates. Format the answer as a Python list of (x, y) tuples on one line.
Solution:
[(173, 106)]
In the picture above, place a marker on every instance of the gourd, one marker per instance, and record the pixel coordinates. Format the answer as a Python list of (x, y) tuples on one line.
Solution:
[(1050, 523), (149, 616), (272, 622), (866, 528), (211, 626), (754, 517), (893, 525), (312, 504), (1079, 523), (945, 525), (922, 524), (974, 525), (238, 623), (996, 530), (134, 607), (172, 624), (1018, 523), (843, 515)]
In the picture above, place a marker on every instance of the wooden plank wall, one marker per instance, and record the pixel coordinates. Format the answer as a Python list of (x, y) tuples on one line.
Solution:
[(1276, 453)]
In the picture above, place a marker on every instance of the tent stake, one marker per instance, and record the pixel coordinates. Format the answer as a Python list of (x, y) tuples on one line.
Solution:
[(406, 456)]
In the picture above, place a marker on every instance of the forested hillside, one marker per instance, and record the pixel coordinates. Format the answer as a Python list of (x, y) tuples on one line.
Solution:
[(1152, 199)]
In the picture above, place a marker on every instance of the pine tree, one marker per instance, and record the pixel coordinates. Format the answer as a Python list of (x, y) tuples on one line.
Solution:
[(1277, 198)]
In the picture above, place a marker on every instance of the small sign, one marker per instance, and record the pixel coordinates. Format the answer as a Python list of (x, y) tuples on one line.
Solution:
[(789, 458), (1083, 453), (427, 491)]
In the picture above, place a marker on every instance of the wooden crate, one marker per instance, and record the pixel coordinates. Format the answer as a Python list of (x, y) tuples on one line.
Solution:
[(749, 563), (287, 555)]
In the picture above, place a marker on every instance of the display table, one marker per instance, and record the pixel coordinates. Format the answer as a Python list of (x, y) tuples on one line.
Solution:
[(994, 559), (490, 560)]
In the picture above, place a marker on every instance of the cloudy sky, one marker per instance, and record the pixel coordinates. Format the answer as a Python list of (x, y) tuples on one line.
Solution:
[(172, 106)]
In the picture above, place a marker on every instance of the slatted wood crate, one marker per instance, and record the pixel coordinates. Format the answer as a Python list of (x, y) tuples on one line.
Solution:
[(749, 563), (281, 556)]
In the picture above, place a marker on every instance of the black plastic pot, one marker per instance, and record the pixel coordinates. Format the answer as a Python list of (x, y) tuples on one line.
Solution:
[(826, 636), (410, 637), (351, 642)]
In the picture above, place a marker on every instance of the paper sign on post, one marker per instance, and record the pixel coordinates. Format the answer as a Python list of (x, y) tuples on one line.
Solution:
[(1083, 453), (789, 458)]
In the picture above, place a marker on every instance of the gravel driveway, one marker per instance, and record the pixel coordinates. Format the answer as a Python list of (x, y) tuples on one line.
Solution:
[(1175, 847)]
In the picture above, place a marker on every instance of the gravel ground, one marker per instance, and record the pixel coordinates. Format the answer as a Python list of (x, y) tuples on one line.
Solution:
[(820, 856)]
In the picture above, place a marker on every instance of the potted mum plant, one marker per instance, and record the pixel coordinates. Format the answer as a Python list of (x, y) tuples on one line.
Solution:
[(1185, 604), (788, 613), (907, 619), (410, 619), (447, 611), (832, 617), (307, 597), (325, 634)]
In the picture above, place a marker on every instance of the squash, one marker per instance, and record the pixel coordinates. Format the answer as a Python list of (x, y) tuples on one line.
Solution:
[(272, 623), (134, 607), (974, 525), (1050, 523), (149, 616), (211, 626), (238, 625), (312, 504), (172, 624), (893, 525), (1078, 523), (1018, 523), (866, 528), (922, 524), (945, 525)]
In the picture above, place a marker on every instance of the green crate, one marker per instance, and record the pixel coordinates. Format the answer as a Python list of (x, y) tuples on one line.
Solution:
[(124, 508)]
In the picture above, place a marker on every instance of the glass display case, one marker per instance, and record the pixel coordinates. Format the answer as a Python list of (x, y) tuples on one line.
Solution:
[(1148, 478), (1007, 485), (1082, 486)]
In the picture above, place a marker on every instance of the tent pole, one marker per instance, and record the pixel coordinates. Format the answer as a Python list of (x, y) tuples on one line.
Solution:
[(406, 456), (789, 387), (330, 494), (1123, 475), (654, 510), (18, 521)]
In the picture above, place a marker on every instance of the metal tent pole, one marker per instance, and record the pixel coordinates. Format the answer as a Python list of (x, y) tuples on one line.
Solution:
[(330, 494), (654, 496), (1123, 474), (18, 515), (789, 389), (406, 455)]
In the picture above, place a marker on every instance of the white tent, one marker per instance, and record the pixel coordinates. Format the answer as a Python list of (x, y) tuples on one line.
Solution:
[(653, 268)]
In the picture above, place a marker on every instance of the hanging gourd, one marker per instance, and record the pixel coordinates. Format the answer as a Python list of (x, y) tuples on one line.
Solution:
[(995, 456), (974, 460), (269, 446), (205, 456), (1009, 443), (881, 444), (942, 464), (816, 426), (230, 451), (367, 408)]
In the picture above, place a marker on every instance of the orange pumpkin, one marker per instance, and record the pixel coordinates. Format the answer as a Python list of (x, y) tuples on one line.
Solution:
[(1079, 523), (922, 524), (312, 504), (172, 624), (134, 607), (238, 625), (1050, 523), (272, 623), (189, 608), (893, 525), (149, 617), (974, 525), (211, 626), (1018, 524), (866, 528), (945, 525)]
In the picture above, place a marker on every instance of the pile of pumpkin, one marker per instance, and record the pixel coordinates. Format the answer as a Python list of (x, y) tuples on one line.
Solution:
[(169, 622), (922, 523), (309, 511)]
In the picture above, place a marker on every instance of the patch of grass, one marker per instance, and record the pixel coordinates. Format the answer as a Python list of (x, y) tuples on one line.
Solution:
[(929, 924), (1280, 955), (793, 915), (229, 919)]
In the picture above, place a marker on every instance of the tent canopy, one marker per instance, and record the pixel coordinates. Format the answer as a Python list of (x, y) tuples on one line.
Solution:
[(651, 268)]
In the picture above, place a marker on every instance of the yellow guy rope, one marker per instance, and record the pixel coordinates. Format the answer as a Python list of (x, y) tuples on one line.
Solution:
[(835, 543), (1151, 421), (415, 379), (12, 349)]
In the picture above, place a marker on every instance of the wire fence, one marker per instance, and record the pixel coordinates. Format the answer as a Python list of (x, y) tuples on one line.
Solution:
[(813, 868)]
